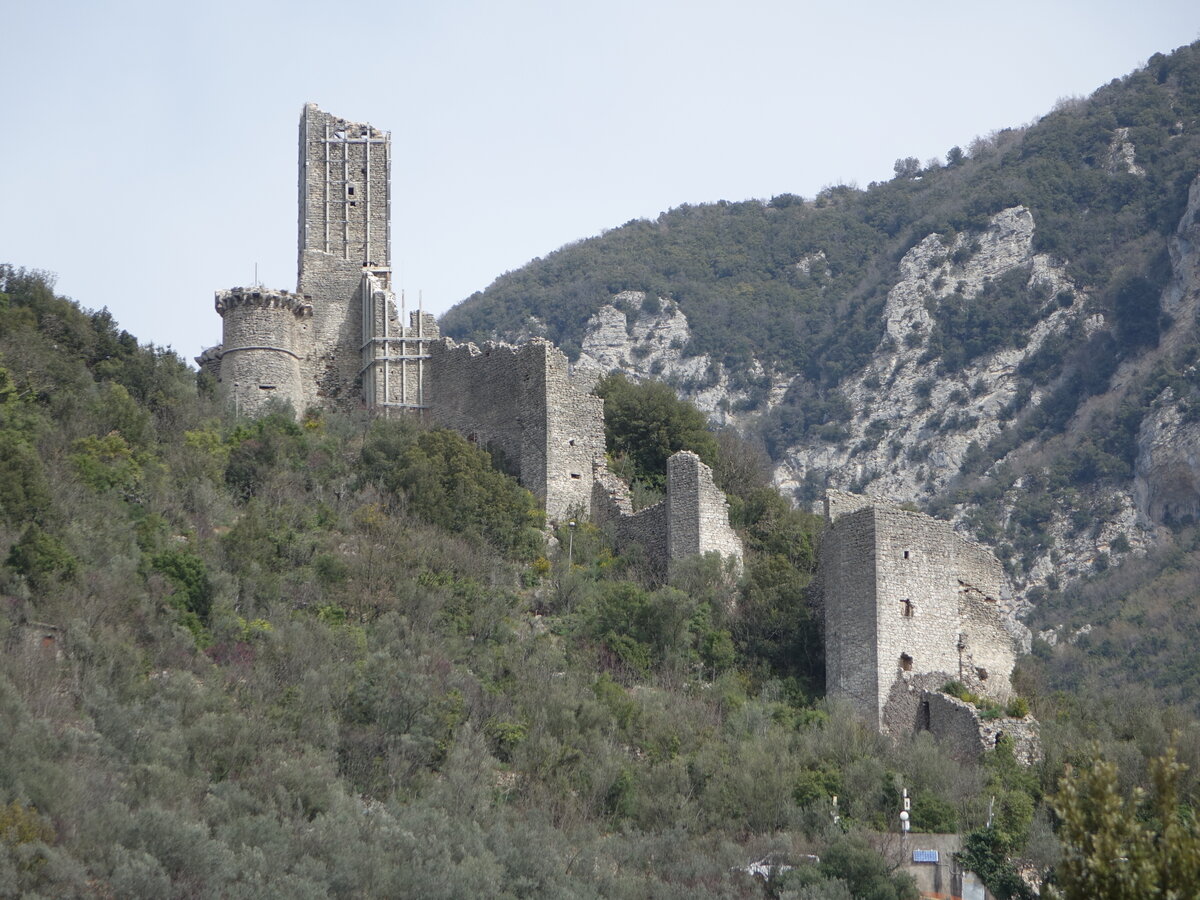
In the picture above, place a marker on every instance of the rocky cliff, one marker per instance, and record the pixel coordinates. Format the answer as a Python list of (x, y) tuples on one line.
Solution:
[(919, 424)]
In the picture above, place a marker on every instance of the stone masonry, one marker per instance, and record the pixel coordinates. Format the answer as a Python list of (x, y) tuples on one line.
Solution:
[(693, 520), (341, 341), (910, 605), (518, 402)]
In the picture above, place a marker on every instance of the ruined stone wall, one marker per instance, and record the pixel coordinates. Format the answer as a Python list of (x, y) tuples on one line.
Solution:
[(848, 572), (610, 497), (394, 353), (920, 597), (959, 729), (263, 338), (697, 511), (345, 190), (955, 724), (647, 528), (574, 439), (692, 520), (520, 402), (918, 569)]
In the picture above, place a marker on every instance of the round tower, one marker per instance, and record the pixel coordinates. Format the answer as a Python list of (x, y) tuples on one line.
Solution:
[(263, 338)]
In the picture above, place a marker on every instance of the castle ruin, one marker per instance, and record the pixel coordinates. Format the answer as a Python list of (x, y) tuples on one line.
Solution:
[(340, 341), (909, 606)]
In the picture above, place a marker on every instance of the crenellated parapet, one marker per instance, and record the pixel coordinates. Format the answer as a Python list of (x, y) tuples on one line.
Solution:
[(262, 298)]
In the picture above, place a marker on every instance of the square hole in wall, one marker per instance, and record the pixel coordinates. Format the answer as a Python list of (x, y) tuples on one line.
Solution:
[(906, 662)]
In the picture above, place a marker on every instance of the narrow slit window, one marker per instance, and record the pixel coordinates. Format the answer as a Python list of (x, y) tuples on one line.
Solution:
[(906, 608), (906, 662)]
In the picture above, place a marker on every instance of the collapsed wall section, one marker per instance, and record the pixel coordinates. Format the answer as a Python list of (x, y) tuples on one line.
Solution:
[(966, 736), (395, 353), (692, 520)]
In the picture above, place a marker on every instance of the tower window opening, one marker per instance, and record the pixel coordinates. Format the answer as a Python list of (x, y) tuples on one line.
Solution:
[(905, 552), (906, 662), (906, 608), (350, 191), (576, 475)]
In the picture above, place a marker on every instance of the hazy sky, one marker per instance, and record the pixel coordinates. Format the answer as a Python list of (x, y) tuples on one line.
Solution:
[(149, 153)]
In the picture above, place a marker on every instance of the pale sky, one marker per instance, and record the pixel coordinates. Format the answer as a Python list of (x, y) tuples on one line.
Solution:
[(149, 154)]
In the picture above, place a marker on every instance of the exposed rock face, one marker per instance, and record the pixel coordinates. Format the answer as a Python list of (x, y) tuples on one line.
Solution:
[(1167, 473), (900, 392), (1122, 156), (641, 339)]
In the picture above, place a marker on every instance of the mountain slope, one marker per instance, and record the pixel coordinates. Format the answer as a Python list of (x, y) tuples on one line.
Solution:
[(984, 338)]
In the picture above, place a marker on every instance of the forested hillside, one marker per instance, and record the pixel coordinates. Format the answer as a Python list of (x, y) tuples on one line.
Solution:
[(330, 656), (337, 657), (1006, 338)]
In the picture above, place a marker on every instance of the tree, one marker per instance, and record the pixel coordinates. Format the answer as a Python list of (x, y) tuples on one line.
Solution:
[(1122, 848), (908, 167), (647, 423)]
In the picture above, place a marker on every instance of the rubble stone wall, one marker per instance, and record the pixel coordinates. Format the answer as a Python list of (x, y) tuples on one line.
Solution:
[(520, 401), (263, 337), (921, 597)]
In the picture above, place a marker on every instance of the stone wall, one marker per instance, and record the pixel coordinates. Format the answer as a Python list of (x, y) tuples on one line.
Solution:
[(906, 596), (345, 190), (263, 336), (692, 520), (847, 573), (697, 511), (519, 403), (958, 727), (395, 353)]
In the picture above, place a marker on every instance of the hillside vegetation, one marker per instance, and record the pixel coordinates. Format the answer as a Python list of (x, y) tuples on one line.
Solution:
[(331, 656), (337, 657), (1006, 338)]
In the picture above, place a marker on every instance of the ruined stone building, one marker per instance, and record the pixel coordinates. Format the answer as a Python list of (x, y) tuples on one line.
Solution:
[(910, 605), (341, 341)]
